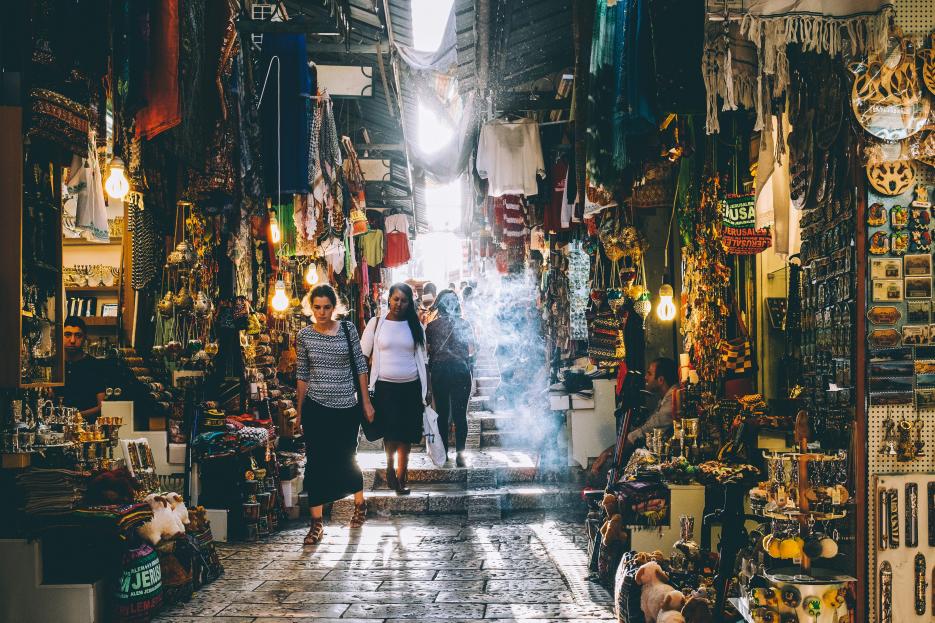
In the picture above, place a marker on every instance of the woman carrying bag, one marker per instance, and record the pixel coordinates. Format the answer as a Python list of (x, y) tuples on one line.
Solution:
[(395, 343), (451, 343), (329, 358)]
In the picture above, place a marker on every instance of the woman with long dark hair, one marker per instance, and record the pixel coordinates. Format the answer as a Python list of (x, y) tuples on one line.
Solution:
[(328, 355), (451, 343), (395, 343)]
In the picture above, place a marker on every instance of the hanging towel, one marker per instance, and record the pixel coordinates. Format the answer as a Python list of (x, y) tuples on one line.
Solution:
[(86, 184)]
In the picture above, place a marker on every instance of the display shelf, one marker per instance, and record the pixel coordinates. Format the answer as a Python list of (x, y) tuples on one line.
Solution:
[(113, 289), (100, 321), (81, 242)]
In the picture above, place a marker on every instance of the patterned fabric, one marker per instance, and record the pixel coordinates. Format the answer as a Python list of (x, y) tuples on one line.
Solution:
[(323, 363)]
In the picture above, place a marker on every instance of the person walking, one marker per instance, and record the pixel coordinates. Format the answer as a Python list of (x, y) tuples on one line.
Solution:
[(451, 344), (426, 310), (332, 395), (395, 343)]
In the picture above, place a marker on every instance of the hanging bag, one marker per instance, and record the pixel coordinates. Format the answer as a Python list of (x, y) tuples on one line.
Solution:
[(737, 360), (434, 444), (372, 430)]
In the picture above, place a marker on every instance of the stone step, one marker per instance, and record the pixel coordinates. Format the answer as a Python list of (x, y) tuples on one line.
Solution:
[(484, 507), (484, 469), (449, 498), (515, 439), (490, 421), (480, 403)]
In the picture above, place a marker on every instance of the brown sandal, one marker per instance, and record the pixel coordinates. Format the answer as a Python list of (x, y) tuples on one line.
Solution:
[(360, 515), (316, 531)]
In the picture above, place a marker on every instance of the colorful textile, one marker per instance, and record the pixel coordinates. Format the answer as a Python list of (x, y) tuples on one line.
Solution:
[(161, 79), (509, 154)]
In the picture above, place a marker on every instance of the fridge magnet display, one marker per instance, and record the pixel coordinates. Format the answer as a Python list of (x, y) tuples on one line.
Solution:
[(884, 338), (886, 314), (919, 218), (922, 197), (891, 399), (925, 352), (918, 312), (887, 290), (918, 265), (916, 335), (899, 243), (924, 366), (879, 243), (918, 287), (899, 217), (925, 380), (876, 215), (892, 368), (892, 354), (886, 268), (920, 241), (925, 398)]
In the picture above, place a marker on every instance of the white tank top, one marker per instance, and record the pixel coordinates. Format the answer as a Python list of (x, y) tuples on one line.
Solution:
[(397, 352)]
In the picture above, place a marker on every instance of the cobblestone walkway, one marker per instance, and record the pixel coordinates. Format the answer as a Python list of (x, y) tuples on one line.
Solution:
[(529, 567)]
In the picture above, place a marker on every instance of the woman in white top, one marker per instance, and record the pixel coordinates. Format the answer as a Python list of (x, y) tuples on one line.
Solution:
[(395, 343)]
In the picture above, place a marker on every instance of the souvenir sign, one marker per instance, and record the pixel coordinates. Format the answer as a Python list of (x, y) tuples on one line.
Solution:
[(918, 265), (922, 197), (885, 314), (740, 236), (884, 338), (918, 288), (918, 312), (892, 368), (925, 352), (891, 178), (879, 243), (887, 290), (886, 268), (899, 243), (924, 366), (876, 215), (891, 384), (890, 399), (916, 335), (920, 241), (892, 354), (925, 380), (899, 217)]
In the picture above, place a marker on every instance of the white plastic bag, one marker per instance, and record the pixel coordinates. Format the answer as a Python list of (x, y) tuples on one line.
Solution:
[(434, 445)]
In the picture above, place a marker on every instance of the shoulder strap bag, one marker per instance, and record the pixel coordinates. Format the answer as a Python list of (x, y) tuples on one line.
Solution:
[(372, 430)]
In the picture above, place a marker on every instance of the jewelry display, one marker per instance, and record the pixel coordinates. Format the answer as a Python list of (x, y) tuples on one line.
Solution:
[(883, 524), (912, 514), (892, 513), (886, 592), (931, 513), (920, 583)]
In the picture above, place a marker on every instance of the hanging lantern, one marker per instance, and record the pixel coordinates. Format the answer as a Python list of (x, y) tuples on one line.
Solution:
[(665, 311), (280, 301), (117, 185), (643, 306)]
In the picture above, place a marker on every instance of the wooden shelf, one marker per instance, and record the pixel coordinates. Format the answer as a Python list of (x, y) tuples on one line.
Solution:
[(113, 289), (100, 321), (81, 242)]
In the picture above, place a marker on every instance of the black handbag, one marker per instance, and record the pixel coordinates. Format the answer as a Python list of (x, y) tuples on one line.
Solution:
[(372, 430)]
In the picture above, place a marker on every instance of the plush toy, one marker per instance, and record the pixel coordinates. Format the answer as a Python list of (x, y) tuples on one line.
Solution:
[(612, 530), (697, 610), (610, 504), (164, 524), (655, 592), (670, 616), (178, 507)]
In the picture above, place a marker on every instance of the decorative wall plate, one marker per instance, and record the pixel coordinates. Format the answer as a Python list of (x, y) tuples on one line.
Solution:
[(891, 178), (884, 338), (886, 96), (884, 314)]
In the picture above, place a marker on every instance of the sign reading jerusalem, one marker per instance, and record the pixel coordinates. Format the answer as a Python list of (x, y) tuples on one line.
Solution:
[(739, 235)]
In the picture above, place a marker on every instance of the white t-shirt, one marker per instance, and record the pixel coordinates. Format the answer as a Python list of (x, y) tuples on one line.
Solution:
[(397, 352), (509, 154)]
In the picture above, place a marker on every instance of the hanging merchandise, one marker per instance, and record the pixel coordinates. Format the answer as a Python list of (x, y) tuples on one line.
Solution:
[(579, 269), (141, 228), (509, 154), (354, 177), (891, 178), (86, 185), (729, 68), (739, 234)]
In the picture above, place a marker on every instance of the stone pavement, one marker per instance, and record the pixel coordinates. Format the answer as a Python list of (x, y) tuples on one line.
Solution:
[(530, 567)]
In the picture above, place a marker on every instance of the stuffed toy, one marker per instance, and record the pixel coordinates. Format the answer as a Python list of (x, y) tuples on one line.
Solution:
[(610, 504), (612, 530), (178, 507), (199, 519), (670, 616), (164, 524), (656, 594), (697, 610)]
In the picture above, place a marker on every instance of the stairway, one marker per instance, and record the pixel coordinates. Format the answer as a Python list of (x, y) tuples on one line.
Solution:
[(504, 474)]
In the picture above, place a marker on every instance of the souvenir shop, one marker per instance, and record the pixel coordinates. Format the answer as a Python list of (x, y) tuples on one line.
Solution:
[(172, 190), (765, 225)]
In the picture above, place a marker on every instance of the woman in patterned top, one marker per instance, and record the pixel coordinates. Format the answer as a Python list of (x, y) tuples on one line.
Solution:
[(328, 401)]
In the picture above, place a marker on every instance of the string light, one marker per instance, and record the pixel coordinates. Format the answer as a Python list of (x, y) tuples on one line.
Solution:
[(665, 311), (280, 301), (117, 185)]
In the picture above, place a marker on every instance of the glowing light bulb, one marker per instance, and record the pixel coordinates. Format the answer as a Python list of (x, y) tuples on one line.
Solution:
[(311, 275), (280, 300), (117, 185), (275, 233), (665, 311)]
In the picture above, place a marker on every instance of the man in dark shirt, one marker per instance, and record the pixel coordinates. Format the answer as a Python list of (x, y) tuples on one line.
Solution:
[(84, 378)]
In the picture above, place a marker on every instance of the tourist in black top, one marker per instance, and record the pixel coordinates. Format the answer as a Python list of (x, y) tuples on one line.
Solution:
[(84, 376)]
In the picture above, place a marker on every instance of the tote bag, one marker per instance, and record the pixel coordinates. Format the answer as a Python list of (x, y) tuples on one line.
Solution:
[(434, 444)]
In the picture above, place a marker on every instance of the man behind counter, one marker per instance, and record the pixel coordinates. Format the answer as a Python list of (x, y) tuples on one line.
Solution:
[(84, 378)]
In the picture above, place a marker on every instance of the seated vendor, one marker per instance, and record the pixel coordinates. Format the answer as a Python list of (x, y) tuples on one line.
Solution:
[(84, 377), (661, 378)]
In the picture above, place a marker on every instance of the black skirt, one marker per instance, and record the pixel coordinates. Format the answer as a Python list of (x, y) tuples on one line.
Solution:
[(331, 470), (399, 410)]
